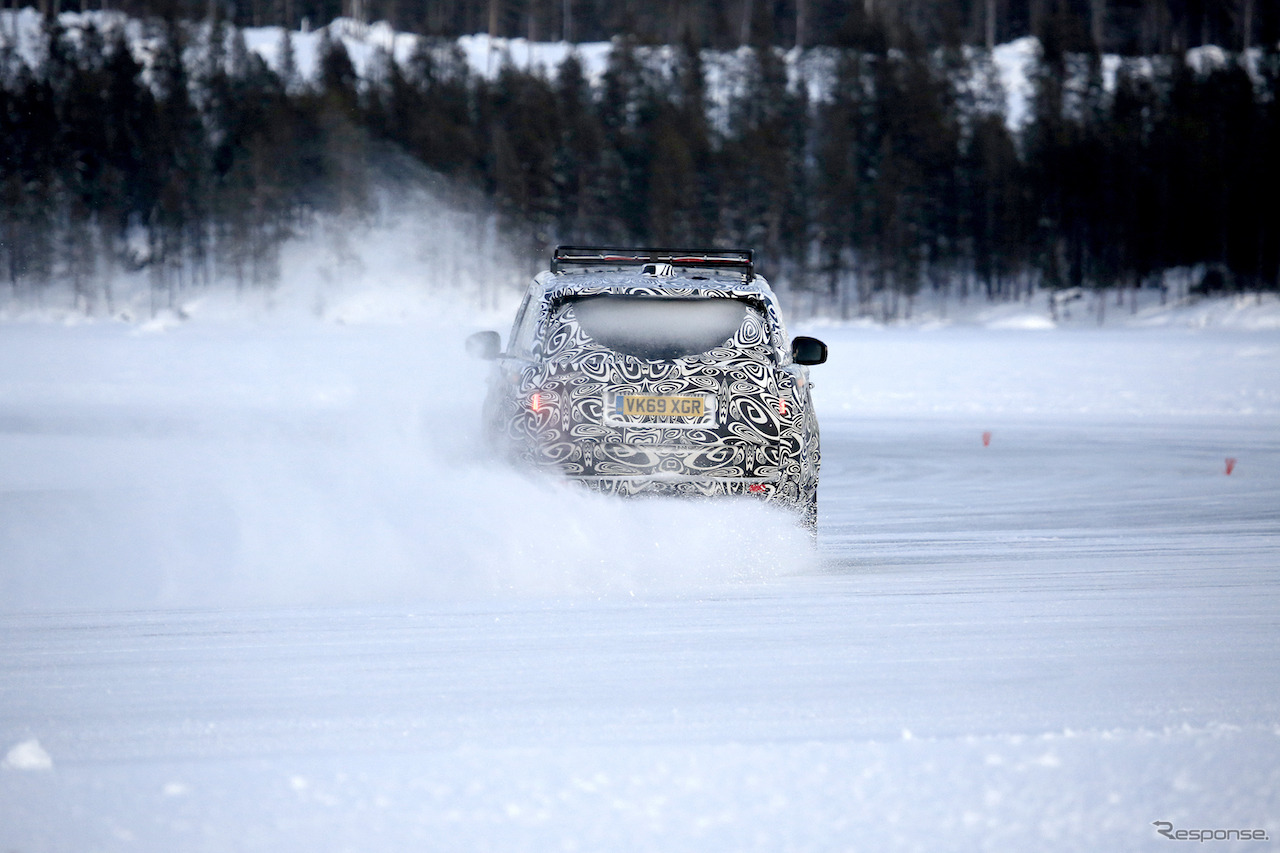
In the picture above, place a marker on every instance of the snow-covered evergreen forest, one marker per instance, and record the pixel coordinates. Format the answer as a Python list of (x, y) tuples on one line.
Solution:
[(863, 168)]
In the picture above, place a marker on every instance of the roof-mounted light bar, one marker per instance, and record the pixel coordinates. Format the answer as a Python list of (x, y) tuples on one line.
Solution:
[(734, 260)]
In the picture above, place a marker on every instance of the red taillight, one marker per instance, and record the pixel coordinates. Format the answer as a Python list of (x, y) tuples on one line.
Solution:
[(783, 408), (757, 488), (535, 402)]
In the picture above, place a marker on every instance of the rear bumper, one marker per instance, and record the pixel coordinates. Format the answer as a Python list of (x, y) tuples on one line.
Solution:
[(716, 464), (774, 491), (691, 486), (778, 492)]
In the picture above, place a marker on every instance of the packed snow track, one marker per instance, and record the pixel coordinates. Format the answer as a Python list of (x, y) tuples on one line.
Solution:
[(260, 591)]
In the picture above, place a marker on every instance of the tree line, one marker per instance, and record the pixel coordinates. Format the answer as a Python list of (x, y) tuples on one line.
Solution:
[(903, 175)]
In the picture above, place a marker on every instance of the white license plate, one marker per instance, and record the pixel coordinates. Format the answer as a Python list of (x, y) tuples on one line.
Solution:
[(673, 409)]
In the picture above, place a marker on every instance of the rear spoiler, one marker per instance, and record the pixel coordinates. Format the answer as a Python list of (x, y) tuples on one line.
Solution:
[(734, 260)]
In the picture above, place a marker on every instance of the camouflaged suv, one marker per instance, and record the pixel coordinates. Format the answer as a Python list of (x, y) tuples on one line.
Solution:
[(657, 371)]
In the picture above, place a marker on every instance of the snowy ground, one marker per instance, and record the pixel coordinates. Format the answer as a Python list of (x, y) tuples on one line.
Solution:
[(259, 591)]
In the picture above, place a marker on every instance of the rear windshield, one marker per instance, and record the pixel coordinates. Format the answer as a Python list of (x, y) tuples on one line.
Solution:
[(658, 328)]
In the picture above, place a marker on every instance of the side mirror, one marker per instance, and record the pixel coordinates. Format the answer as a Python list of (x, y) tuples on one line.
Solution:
[(484, 345), (805, 350)]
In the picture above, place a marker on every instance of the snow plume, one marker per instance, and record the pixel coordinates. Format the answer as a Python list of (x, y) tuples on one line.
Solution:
[(283, 461), (424, 245), (314, 441), (419, 245)]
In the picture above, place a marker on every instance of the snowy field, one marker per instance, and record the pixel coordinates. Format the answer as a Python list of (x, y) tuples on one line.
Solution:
[(261, 591)]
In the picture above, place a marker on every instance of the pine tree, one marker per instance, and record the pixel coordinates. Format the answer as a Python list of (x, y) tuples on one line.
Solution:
[(525, 133), (432, 111), (28, 121), (179, 207), (335, 110), (579, 158), (916, 167), (760, 160), (997, 210), (625, 163), (1266, 178), (844, 164), (681, 177)]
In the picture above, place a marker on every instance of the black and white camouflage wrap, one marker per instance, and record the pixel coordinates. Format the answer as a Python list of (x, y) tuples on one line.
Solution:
[(758, 437)]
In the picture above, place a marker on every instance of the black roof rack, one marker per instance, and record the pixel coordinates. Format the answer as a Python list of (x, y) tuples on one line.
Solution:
[(735, 260)]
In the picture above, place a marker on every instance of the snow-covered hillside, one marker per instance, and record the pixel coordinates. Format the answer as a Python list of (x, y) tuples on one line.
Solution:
[(1007, 90)]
